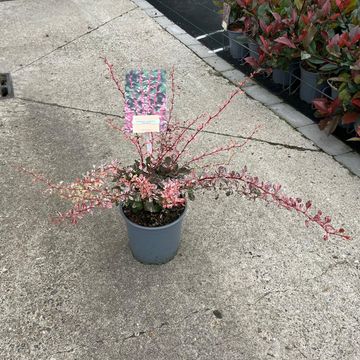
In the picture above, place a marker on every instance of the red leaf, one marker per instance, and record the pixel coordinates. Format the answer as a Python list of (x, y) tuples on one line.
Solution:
[(262, 25), (356, 102), (276, 16), (326, 107), (252, 62), (326, 8), (321, 105), (286, 41), (339, 4), (265, 43), (357, 127), (350, 117)]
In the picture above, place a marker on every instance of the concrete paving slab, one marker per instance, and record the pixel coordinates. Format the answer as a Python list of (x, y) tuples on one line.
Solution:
[(103, 11), (259, 93), (250, 282), (292, 116), (187, 40), (231, 293), (201, 50), (143, 4), (163, 21), (351, 160), (329, 143), (218, 64), (175, 30), (152, 12), (236, 76), (27, 36), (69, 77)]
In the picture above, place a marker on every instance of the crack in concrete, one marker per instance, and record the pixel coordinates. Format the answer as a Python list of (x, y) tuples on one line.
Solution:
[(68, 107), (75, 39), (287, 146), (64, 351), (135, 335), (295, 347), (144, 332), (328, 268), (270, 293)]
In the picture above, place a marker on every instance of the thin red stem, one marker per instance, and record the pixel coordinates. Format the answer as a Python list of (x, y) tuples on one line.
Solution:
[(114, 78), (202, 126), (223, 148), (172, 98)]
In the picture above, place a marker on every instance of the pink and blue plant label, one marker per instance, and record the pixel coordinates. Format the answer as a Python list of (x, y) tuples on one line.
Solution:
[(145, 101)]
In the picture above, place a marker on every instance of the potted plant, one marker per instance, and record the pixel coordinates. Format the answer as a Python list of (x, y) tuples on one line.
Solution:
[(344, 50), (279, 42), (317, 25), (238, 39), (152, 192), (275, 48), (236, 26), (344, 109)]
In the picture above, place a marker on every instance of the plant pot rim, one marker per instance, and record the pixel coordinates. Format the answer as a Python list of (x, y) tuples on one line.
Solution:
[(331, 84), (317, 71), (153, 228)]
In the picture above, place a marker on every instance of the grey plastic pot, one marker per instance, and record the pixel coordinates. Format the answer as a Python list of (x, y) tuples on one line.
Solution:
[(284, 77), (309, 85), (154, 245), (281, 77), (238, 44), (254, 50), (334, 93)]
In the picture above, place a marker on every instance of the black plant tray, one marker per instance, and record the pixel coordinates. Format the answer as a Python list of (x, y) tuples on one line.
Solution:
[(199, 17)]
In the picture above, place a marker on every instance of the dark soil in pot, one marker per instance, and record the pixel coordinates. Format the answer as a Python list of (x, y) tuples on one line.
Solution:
[(235, 27), (148, 219)]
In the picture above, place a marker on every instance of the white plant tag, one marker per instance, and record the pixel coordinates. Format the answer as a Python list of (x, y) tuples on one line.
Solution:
[(226, 16), (146, 123)]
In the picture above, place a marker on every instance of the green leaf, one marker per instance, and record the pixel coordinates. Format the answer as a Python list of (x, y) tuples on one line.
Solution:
[(262, 9), (328, 67), (344, 96), (357, 79), (316, 61), (352, 87), (342, 87), (137, 206), (299, 4), (151, 206)]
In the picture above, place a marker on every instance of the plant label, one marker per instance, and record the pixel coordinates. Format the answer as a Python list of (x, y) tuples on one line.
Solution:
[(146, 123), (145, 101), (226, 16)]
